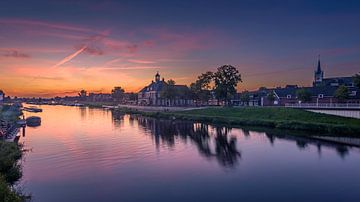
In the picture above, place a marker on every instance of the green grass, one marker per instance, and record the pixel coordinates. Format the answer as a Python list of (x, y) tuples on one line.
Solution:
[(273, 117), (278, 117)]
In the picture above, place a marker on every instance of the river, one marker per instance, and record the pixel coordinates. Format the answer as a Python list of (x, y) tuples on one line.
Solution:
[(84, 154)]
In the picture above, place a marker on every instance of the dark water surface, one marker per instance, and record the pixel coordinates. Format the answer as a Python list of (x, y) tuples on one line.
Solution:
[(82, 154)]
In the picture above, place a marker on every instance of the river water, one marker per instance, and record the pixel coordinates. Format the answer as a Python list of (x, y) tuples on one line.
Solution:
[(83, 154)]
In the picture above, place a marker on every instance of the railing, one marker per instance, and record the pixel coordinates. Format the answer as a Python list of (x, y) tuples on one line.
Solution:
[(325, 105)]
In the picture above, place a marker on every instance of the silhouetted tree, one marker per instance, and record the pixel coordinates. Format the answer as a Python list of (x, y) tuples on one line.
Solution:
[(200, 90), (303, 95), (169, 91), (356, 79), (271, 96), (133, 96), (245, 97), (82, 94), (171, 82), (226, 79), (342, 93), (117, 93)]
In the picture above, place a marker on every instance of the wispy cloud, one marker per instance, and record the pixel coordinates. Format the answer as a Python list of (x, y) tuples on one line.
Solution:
[(130, 68), (141, 61), (70, 57), (15, 54), (44, 24)]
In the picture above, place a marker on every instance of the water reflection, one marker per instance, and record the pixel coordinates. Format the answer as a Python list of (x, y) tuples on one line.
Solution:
[(217, 142), (87, 154), (303, 142), (117, 118), (166, 131)]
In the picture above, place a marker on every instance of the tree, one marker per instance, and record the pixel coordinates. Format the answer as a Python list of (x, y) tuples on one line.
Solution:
[(271, 96), (245, 97), (342, 93), (204, 80), (356, 79), (226, 79), (171, 82), (200, 90), (82, 94), (117, 93), (133, 96), (303, 95), (169, 91)]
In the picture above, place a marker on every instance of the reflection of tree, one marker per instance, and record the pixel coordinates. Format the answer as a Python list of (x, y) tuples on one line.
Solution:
[(166, 131), (342, 151), (117, 118), (226, 151), (301, 144), (303, 141), (83, 112)]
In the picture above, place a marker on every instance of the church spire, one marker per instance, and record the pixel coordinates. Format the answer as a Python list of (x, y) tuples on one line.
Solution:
[(319, 65), (319, 74), (157, 77)]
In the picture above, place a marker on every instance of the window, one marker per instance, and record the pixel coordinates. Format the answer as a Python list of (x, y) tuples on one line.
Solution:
[(321, 96), (288, 96), (353, 93)]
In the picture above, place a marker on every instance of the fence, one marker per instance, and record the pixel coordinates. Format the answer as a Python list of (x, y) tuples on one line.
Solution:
[(325, 105)]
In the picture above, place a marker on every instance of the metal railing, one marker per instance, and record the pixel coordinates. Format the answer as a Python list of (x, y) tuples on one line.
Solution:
[(325, 105)]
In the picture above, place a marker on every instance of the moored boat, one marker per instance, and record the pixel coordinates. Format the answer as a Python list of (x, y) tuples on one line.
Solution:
[(32, 109), (33, 121)]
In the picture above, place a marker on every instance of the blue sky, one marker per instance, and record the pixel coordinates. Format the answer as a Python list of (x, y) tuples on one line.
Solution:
[(272, 43)]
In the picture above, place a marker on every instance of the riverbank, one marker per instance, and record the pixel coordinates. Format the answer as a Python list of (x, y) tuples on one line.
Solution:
[(10, 171), (10, 154), (272, 117)]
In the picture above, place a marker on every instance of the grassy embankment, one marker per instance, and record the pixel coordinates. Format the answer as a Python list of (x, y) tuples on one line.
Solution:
[(10, 170), (273, 117)]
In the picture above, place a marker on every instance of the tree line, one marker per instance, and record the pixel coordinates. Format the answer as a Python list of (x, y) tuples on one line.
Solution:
[(222, 84)]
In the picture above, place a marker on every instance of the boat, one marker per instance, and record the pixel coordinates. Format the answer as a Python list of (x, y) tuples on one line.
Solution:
[(12, 135), (21, 122), (109, 107), (32, 109), (33, 121)]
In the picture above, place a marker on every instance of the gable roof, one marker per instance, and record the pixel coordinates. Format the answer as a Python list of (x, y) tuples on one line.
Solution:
[(347, 81), (154, 86)]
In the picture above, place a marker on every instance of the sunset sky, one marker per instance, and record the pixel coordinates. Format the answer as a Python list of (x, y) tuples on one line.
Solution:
[(50, 48)]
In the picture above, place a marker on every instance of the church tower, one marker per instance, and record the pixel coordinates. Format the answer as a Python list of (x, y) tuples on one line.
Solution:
[(318, 75), (157, 77)]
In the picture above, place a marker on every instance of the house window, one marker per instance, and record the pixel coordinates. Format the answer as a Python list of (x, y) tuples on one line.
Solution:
[(321, 96), (288, 96), (353, 93)]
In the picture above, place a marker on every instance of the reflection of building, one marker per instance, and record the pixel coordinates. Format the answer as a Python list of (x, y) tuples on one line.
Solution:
[(152, 94)]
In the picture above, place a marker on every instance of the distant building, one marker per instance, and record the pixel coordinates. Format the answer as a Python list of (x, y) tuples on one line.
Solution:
[(99, 97), (322, 91), (2, 96), (151, 94), (319, 79)]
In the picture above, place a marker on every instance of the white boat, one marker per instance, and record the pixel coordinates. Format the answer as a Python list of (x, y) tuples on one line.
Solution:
[(110, 107), (32, 109), (21, 122)]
